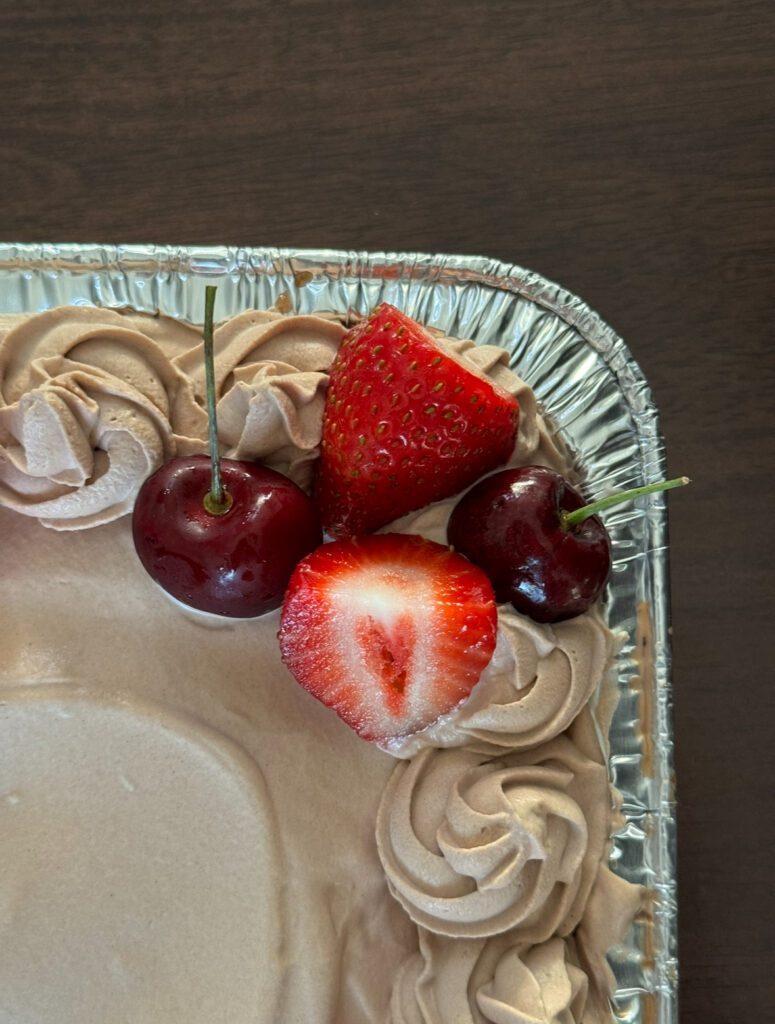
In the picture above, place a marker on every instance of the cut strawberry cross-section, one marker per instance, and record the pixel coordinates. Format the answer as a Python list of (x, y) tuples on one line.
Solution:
[(389, 631), (404, 425)]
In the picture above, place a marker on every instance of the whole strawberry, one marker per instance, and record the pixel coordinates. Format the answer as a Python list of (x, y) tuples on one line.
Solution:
[(404, 425)]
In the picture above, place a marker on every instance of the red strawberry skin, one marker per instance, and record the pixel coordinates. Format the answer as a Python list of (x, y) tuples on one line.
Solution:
[(404, 425), (389, 631)]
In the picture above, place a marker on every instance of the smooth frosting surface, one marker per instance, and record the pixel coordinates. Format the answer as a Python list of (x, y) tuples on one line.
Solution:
[(135, 845), (504, 834), (80, 612)]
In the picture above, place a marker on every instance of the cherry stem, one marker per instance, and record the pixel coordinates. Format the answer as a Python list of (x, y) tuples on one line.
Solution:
[(570, 519), (216, 501)]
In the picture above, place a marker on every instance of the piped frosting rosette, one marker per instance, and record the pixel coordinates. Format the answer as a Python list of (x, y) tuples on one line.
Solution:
[(474, 845), (503, 980), (535, 444), (492, 981), (92, 401), (539, 679), (271, 375), (89, 406)]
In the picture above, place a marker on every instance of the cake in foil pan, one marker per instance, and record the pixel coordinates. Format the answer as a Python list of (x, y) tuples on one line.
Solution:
[(235, 827)]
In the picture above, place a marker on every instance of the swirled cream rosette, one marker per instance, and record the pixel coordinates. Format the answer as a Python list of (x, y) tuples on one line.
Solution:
[(500, 980), (271, 376), (474, 845), (90, 405), (539, 679), (535, 444), (492, 981), (92, 401)]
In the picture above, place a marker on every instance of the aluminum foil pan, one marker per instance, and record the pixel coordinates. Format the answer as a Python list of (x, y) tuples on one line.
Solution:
[(588, 385)]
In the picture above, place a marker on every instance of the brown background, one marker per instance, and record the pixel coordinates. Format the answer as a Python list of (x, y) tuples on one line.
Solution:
[(624, 149)]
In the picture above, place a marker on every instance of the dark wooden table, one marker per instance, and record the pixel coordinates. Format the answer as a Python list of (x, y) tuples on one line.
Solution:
[(622, 148)]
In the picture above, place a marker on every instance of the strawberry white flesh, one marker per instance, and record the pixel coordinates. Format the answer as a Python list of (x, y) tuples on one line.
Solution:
[(389, 631)]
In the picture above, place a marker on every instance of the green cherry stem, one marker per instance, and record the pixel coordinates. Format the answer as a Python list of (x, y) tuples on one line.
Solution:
[(217, 501), (571, 519)]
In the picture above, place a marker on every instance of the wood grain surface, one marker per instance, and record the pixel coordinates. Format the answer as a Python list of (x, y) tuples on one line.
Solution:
[(624, 149)]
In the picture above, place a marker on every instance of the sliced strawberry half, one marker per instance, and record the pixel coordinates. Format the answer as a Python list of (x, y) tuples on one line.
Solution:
[(389, 631), (404, 425)]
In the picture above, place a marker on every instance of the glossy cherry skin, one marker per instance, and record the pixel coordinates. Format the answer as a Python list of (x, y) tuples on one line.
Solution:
[(236, 564), (509, 524)]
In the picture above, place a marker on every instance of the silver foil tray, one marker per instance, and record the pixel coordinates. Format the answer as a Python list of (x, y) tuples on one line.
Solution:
[(590, 387)]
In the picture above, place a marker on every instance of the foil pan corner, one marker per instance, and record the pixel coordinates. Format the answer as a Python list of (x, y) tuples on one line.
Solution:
[(589, 386)]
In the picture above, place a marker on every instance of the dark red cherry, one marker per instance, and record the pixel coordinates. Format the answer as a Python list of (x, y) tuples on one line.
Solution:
[(511, 525), (542, 547), (235, 562)]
